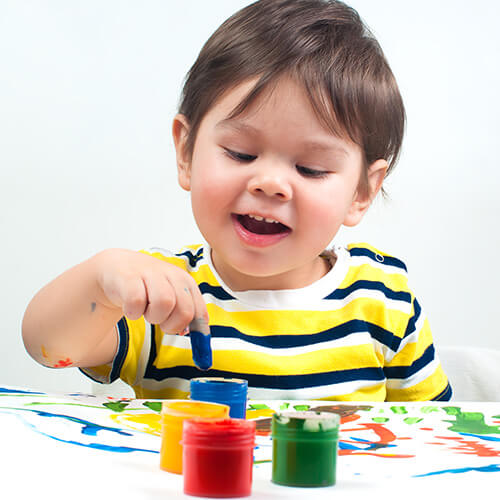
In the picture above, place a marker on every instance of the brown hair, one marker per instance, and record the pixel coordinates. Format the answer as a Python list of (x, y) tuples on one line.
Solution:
[(322, 44)]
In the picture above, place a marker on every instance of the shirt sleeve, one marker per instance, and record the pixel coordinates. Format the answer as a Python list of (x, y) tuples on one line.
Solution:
[(412, 366), (132, 355)]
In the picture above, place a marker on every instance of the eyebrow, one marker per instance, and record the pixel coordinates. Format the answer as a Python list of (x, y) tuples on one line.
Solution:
[(312, 146)]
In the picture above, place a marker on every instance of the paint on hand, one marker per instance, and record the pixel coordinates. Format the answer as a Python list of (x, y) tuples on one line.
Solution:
[(63, 363), (44, 352), (199, 333)]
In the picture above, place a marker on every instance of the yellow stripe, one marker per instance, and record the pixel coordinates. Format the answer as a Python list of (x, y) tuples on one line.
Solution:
[(324, 360), (263, 323), (413, 350), (394, 281), (423, 391)]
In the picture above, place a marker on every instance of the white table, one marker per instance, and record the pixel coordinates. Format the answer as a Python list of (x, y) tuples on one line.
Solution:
[(80, 446)]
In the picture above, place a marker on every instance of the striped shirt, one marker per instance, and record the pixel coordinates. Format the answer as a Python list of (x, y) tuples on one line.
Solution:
[(356, 334)]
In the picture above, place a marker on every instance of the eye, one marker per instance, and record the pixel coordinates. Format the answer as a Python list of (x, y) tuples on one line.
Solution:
[(311, 172), (241, 157)]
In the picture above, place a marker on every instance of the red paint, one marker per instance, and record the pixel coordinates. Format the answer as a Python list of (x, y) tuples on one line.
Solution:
[(218, 457), (426, 429), (471, 447), (62, 363)]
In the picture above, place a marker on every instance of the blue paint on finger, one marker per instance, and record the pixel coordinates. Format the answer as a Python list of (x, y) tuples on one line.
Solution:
[(200, 347)]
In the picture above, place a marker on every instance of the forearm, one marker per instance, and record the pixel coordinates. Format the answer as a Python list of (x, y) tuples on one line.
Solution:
[(70, 322)]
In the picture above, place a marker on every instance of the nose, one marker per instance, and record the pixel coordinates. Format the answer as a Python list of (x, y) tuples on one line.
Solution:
[(271, 182)]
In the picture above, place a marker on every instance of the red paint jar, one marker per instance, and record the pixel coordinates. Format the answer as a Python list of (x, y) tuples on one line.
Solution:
[(218, 457)]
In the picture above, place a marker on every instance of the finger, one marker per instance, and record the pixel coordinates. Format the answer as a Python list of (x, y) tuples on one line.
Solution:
[(184, 310), (162, 299), (134, 298), (200, 317)]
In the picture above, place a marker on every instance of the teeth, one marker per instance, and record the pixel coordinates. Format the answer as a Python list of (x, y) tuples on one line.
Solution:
[(259, 218)]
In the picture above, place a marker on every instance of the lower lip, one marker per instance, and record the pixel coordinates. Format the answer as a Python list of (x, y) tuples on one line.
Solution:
[(256, 240)]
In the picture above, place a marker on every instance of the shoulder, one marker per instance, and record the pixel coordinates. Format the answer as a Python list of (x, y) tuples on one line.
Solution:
[(371, 268), (188, 257), (364, 253)]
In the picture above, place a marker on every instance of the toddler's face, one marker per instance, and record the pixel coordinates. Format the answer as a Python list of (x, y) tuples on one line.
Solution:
[(270, 188)]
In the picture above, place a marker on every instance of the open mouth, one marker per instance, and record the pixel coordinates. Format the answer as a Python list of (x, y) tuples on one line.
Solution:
[(260, 225)]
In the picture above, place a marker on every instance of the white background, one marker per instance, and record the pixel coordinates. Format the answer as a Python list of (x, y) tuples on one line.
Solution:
[(88, 90)]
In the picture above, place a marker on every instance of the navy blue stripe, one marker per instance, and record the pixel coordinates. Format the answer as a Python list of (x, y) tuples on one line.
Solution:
[(410, 328), (152, 352), (124, 336), (444, 395), (216, 291), (385, 337), (342, 293), (193, 258), (383, 259), (402, 372), (271, 381)]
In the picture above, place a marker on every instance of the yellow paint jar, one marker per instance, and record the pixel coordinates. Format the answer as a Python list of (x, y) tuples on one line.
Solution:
[(173, 414)]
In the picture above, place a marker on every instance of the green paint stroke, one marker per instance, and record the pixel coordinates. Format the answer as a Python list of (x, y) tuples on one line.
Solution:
[(284, 406), (399, 410), (153, 405), (259, 406), (469, 422), (412, 420), (380, 420), (301, 407), (117, 406), (429, 409)]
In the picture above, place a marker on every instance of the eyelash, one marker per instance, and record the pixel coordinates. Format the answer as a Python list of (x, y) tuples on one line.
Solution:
[(304, 171)]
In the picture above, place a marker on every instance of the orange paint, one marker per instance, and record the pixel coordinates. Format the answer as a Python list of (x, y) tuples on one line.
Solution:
[(173, 414), (349, 418)]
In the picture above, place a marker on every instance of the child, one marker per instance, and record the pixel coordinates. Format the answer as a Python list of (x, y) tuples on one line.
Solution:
[(289, 121)]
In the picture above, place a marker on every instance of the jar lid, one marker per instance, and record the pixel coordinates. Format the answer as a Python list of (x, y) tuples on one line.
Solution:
[(183, 408), (219, 432), (307, 425), (218, 387)]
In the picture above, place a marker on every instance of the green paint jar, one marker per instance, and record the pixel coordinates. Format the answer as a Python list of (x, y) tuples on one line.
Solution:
[(304, 448)]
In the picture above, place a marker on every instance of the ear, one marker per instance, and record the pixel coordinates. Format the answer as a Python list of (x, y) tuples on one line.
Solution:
[(180, 131), (366, 194)]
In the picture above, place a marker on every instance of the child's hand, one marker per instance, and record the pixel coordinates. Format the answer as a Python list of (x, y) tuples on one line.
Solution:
[(142, 285)]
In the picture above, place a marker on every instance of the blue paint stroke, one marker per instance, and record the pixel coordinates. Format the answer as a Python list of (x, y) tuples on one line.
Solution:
[(97, 446), (480, 436), (372, 446), (485, 468), (17, 391), (88, 428)]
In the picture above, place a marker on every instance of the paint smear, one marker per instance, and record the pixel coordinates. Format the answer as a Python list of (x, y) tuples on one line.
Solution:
[(485, 468), (471, 447), (469, 422), (399, 410), (88, 428), (143, 422)]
